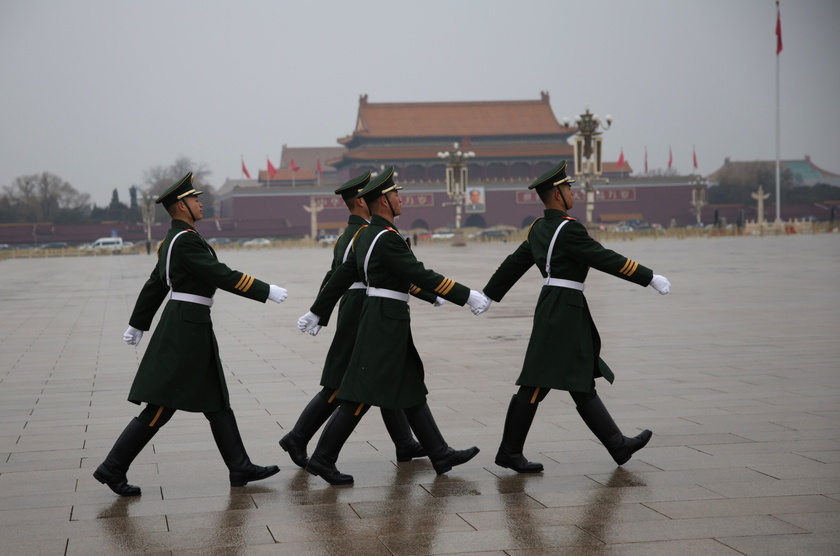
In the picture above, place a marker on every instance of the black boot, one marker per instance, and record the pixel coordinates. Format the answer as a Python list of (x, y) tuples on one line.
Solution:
[(443, 457), (598, 419), (335, 434), (315, 414), (520, 415), (400, 431), (112, 471), (230, 445)]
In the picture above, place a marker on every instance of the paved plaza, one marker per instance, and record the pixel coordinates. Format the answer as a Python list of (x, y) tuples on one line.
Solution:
[(736, 372)]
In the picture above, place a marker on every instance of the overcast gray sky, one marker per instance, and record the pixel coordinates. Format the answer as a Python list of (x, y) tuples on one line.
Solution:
[(97, 92)]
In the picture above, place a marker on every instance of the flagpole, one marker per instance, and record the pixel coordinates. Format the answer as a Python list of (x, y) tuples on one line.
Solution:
[(778, 116)]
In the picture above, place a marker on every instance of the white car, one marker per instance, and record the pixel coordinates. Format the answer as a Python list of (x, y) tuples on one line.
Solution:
[(114, 244), (327, 240), (257, 242), (443, 235)]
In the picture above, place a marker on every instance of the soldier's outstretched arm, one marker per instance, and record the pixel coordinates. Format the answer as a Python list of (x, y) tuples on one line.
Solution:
[(202, 264), (509, 272), (319, 313), (151, 296), (581, 247)]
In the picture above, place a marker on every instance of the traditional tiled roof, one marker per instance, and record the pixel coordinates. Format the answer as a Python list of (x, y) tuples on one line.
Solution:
[(286, 175), (613, 168), (456, 119), (484, 152), (308, 157), (803, 170)]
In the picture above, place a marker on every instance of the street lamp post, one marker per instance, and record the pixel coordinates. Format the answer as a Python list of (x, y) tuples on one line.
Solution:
[(456, 187), (588, 153), (698, 196), (148, 211)]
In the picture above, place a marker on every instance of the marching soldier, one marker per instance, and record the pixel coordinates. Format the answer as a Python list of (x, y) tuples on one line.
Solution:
[(385, 369), (325, 402), (181, 368), (564, 348)]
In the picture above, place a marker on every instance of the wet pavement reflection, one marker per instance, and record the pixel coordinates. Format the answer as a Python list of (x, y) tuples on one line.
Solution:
[(740, 397)]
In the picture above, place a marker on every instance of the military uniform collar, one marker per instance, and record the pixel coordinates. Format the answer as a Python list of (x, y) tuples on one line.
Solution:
[(555, 213), (356, 219), (180, 224), (376, 220)]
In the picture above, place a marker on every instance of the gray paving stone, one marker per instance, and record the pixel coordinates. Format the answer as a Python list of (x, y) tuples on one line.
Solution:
[(737, 372)]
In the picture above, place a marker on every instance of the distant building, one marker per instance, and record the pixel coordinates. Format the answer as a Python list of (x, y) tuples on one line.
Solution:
[(514, 141), (804, 172)]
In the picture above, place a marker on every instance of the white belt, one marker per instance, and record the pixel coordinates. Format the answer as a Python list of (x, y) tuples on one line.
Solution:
[(357, 286), (560, 283), (191, 298), (390, 294)]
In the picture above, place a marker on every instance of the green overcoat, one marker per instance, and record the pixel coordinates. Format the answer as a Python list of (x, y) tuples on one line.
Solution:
[(181, 368), (349, 311), (385, 369), (564, 349)]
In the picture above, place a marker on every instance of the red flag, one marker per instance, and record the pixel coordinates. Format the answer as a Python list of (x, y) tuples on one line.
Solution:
[(694, 154), (292, 165), (670, 158), (621, 159), (318, 168), (778, 30), (646, 169), (245, 170), (272, 171)]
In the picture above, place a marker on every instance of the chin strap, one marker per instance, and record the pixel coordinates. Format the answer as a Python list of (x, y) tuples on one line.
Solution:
[(189, 210), (562, 198), (393, 214)]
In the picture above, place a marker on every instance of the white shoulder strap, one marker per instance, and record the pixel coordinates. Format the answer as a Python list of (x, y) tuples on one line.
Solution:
[(347, 251), (551, 249), (169, 257), (367, 256)]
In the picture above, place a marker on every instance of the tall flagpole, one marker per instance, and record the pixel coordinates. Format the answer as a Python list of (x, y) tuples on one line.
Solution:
[(778, 113)]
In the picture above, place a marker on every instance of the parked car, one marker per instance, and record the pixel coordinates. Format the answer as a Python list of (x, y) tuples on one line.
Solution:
[(55, 245), (114, 244), (257, 242), (487, 235), (327, 240), (5, 246), (219, 240)]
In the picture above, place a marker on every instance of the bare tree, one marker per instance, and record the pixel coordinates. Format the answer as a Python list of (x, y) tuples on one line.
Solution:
[(159, 178), (43, 197)]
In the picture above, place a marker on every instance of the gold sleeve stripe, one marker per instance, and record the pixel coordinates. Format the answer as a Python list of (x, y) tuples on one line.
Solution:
[(247, 286), (242, 280), (245, 283), (629, 267), (445, 286), (413, 289)]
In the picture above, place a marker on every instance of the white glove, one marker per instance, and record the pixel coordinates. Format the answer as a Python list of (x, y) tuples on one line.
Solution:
[(277, 294), (314, 331), (438, 302), (478, 302), (660, 284), (308, 322), (132, 336)]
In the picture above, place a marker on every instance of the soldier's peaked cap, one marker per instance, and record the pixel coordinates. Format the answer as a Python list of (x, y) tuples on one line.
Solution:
[(181, 189), (351, 188), (380, 185), (555, 176)]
